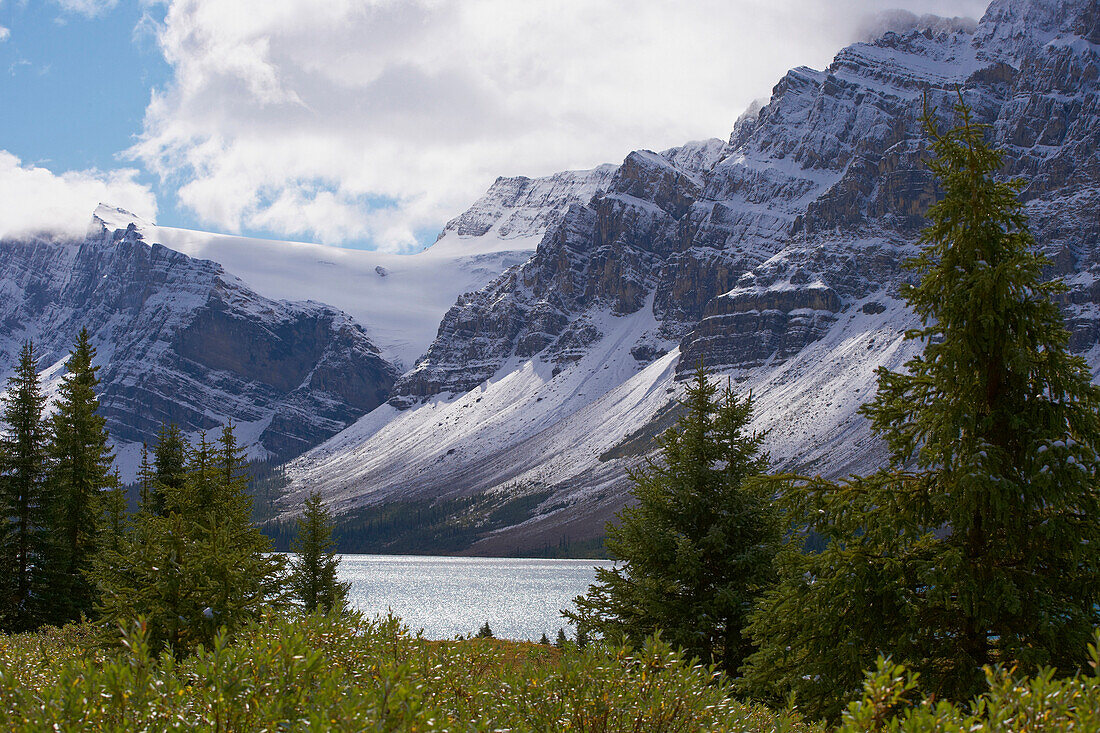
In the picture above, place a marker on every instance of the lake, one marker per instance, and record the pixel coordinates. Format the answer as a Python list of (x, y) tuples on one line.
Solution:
[(446, 596)]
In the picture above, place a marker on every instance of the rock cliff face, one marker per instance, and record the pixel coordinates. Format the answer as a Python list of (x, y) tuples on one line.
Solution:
[(181, 340), (774, 257), (521, 206), (749, 249), (601, 255)]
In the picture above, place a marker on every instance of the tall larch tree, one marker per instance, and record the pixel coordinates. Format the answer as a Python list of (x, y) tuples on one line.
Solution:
[(981, 543), (81, 472), (23, 473)]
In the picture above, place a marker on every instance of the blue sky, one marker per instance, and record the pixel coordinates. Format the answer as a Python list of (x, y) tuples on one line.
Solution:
[(76, 86), (367, 123)]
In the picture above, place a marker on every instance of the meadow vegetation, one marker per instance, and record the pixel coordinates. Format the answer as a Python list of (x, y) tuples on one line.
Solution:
[(332, 672)]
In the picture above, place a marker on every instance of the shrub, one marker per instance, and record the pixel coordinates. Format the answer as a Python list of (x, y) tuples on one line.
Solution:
[(1011, 703), (346, 673)]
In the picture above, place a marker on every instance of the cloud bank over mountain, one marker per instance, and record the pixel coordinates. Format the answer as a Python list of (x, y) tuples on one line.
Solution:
[(32, 198), (376, 121)]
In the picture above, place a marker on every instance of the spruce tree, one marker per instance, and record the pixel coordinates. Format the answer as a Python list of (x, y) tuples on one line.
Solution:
[(199, 565), (115, 520), (313, 578), (246, 576), (81, 470), (980, 544), (561, 639), (169, 464), (23, 474), (146, 480), (697, 546)]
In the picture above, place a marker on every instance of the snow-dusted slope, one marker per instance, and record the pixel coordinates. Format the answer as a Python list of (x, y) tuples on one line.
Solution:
[(196, 328), (775, 258), (398, 299)]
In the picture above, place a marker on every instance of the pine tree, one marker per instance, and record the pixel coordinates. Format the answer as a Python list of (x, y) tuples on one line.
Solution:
[(313, 579), (981, 542), (697, 546), (23, 473), (561, 639), (146, 479), (200, 565), (169, 463), (544, 640), (81, 471), (485, 632)]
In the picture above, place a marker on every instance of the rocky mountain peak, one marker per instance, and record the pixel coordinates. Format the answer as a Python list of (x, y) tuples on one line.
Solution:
[(1011, 29), (520, 207), (181, 340), (112, 218), (903, 22), (774, 258)]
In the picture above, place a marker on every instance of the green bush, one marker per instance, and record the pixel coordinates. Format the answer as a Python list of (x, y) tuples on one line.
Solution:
[(1012, 703), (331, 673)]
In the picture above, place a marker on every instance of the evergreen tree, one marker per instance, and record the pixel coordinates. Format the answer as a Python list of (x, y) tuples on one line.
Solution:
[(81, 471), (115, 521), (981, 543), (200, 491), (169, 464), (146, 479), (199, 565), (561, 639), (23, 473), (313, 570), (697, 546), (485, 632), (544, 640)]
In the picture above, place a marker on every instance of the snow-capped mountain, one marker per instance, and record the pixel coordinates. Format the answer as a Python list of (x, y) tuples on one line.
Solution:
[(181, 340), (398, 299), (198, 328), (773, 257)]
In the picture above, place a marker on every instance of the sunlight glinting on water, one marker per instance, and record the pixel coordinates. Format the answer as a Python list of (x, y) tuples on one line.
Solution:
[(448, 596)]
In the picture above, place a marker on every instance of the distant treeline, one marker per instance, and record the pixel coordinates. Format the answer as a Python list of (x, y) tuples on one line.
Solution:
[(434, 526)]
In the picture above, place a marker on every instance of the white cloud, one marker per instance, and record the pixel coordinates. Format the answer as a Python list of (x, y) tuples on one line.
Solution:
[(35, 199), (87, 8), (5, 33), (299, 117)]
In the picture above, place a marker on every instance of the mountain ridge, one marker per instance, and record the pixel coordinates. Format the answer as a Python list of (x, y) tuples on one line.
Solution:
[(776, 262)]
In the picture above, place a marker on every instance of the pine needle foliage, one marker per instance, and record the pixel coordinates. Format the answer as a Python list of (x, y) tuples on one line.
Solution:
[(24, 465), (697, 546), (980, 544), (169, 464), (81, 470), (313, 580), (199, 566)]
